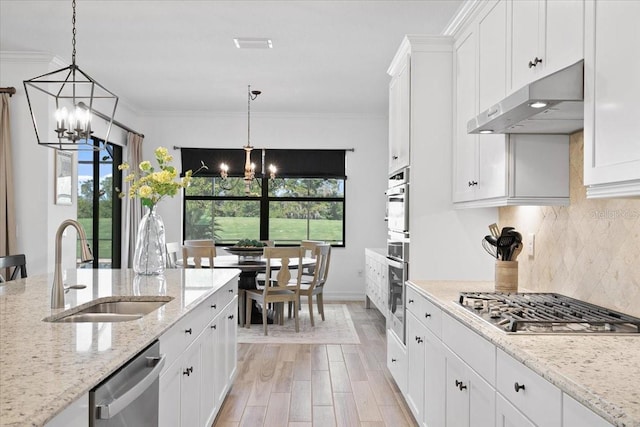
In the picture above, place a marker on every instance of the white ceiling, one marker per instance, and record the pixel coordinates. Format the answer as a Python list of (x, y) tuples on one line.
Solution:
[(328, 57)]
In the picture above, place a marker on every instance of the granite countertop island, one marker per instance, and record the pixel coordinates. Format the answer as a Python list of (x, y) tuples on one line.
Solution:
[(601, 372), (45, 366)]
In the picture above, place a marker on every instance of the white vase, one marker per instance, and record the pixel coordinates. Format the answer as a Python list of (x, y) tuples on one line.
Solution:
[(151, 252)]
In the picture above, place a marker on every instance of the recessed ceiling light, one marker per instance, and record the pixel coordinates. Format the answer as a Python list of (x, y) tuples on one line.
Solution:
[(253, 43), (538, 104), (487, 131)]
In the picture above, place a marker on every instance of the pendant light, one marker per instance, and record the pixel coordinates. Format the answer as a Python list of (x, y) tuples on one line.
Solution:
[(249, 166), (75, 97)]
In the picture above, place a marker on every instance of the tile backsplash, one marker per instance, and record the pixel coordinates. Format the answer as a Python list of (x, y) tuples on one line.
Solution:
[(588, 250)]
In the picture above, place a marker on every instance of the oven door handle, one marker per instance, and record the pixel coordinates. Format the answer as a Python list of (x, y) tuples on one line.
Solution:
[(395, 263), (110, 410)]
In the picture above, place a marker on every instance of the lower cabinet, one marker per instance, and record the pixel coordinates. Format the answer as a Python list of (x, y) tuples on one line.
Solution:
[(194, 385), (452, 376), (74, 415), (377, 287)]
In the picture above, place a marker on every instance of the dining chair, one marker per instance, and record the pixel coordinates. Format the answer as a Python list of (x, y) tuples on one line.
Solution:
[(172, 254), (17, 262), (309, 251), (198, 249), (281, 289), (322, 254)]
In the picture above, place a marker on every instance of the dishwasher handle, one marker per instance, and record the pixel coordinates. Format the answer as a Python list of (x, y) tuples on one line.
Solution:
[(110, 410)]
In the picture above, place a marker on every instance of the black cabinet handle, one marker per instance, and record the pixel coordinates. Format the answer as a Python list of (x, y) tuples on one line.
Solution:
[(214, 327), (230, 317), (188, 371), (472, 183), (517, 387), (214, 306), (418, 339), (230, 291), (187, 331), (460, 385), (393, 360), (427, 315), (394, 157), (535, 62), (410, 301)]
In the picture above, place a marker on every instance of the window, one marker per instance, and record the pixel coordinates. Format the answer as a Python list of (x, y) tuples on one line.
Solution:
[(306, 202), (99, 207)]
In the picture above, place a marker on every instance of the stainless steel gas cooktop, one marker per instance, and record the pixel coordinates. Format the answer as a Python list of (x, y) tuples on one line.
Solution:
[(546, 313)]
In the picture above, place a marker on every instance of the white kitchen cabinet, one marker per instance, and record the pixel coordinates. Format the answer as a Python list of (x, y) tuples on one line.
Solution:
[(546, 35), (190, 383), (492, 54), (376, 285), (611, 125), (499, 170), (508, 416), (397, 360), (538, 399), (416, 336), (575, 414), (434, 381), (74, 415), (399, 114), (470, 400), (202, 359)]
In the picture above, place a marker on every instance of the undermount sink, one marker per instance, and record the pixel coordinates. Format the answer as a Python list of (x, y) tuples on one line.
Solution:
[(111, 311)]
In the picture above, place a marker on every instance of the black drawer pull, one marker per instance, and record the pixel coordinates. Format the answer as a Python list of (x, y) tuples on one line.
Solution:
[(230, 291), (393, 360), (187, 331), (535, 62), (214, 327), (460, 385), (427, 315), (517, 387), (188, 371), (230, 317), (214, 306), (472, 183), (410, 301)]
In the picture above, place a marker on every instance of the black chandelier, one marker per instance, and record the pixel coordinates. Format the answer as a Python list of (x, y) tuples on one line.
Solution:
[(75, 96), (249, 166)]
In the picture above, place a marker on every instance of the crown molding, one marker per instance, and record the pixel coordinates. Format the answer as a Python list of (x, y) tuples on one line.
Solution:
[(279, 115), (465, 14), (25, 57)]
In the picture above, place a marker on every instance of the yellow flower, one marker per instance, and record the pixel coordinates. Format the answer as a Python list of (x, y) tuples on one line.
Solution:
[(145, 191), (152, 186)]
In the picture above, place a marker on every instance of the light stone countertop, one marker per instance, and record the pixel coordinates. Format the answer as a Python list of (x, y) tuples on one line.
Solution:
[(46, 366), (601, 372)]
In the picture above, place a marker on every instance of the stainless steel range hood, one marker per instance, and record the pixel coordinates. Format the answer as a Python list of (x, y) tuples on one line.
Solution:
[(551, 105)]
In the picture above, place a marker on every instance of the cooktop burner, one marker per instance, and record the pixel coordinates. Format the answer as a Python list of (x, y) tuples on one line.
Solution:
[(546, 313)]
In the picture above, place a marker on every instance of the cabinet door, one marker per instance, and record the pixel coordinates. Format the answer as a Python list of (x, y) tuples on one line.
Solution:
[(611, 125), (525, 41), (434, 381), (399, 118), (492, 166), (231, 340), (397, 360), (482, 401), (169, 401), (208, 401), (564, 34), (508, 416), (456, 392), (492, 55), (220, 369), (464, 151), (575, 414), (190, 386), (416, 359)]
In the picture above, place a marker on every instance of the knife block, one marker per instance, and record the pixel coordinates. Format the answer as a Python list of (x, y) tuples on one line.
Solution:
[(506, 276)]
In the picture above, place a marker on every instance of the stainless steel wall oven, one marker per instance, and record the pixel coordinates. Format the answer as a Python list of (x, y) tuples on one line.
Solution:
[(397, 250)]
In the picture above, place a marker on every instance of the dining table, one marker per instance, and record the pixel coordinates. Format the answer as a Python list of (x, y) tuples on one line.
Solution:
[(249, 267)]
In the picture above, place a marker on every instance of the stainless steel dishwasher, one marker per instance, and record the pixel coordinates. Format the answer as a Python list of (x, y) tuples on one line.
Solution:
[(129, 397)]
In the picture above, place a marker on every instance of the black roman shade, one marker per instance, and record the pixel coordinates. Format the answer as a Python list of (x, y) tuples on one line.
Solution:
[(290, 163)]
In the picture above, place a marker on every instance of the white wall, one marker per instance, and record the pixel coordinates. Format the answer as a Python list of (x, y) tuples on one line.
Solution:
[(366, 172), (37, 216)]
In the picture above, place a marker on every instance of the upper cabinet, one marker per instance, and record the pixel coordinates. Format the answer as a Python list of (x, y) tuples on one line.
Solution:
[(498, 170), (399, 111), (611, 125), (545, 36)]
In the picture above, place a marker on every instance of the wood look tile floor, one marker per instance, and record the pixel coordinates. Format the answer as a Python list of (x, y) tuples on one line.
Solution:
[(296, 385)]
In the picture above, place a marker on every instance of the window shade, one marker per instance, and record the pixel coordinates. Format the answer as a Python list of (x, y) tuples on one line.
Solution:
[(290, 163)]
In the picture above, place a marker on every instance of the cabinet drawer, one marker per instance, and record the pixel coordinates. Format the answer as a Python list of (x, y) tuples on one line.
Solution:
[(176, 340), (534, 396), (425, 311), (414, 302), (475, 350), (226, 293)]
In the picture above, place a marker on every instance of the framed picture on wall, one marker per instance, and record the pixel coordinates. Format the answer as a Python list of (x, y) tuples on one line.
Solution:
[(64, 172)]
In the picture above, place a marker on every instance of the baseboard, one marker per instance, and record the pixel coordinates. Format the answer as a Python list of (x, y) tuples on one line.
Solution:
[(343, 296)]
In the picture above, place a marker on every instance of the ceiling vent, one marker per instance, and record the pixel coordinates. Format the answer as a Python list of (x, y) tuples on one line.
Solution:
[(253, 43)]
